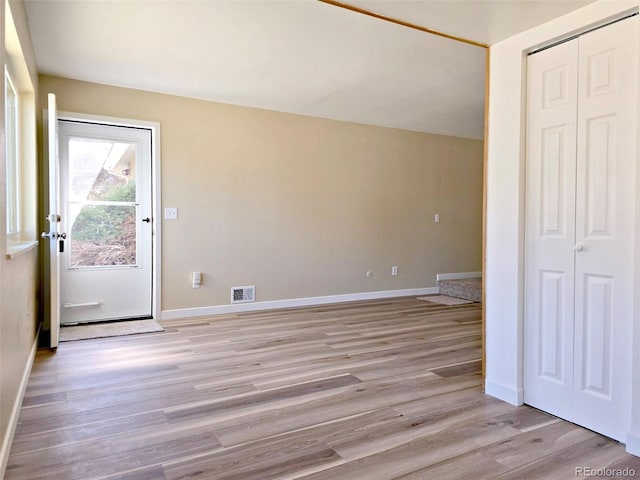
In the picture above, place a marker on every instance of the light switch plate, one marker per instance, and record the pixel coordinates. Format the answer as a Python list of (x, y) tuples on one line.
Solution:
[(170, 213)]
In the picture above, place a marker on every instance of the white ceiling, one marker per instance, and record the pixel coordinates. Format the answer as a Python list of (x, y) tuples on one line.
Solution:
[(298, 56), (483, 21)]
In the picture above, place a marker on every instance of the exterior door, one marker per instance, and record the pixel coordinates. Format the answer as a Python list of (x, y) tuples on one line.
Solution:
[(581, 156), (105, 190), (55, 236)]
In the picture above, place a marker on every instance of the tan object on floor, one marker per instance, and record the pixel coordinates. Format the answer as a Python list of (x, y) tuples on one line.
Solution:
[(108, 329)]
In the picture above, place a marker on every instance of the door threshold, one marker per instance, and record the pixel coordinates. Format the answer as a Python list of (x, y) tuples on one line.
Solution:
[(111, 320)]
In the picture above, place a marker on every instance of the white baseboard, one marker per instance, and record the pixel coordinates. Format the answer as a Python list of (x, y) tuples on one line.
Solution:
[(633, 444), (514, 396), (5, 448), (458, 276), (293, 302)]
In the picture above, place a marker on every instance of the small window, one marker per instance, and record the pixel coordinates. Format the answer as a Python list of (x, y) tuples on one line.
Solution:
[(12, 159)]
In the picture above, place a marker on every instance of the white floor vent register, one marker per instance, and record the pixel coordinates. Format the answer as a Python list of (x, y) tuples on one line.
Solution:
[(243, 294)]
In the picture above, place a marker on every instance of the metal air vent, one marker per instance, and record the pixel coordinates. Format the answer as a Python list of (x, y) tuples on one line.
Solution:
[(243, 294)]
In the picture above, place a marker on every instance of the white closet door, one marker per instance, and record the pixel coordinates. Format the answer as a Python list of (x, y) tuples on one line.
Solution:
[(607, 126), (581, 155), (550, 228)]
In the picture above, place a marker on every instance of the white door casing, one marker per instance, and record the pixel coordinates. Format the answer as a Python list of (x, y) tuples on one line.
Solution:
[(581, 138), (94, 291)]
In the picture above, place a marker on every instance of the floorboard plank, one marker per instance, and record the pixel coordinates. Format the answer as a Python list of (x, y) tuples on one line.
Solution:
[(375, 390)]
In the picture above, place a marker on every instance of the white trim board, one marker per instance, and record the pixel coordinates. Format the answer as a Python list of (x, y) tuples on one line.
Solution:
[(458, 276), (294, 302), (504, 393), (633, 444), (5, 448)]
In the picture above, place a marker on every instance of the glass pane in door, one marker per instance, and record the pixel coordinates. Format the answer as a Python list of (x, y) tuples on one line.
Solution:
[(102, 170), (101, 208), (103, 235)]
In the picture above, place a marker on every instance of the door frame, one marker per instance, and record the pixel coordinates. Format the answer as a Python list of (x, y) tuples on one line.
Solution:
[(156, 222)]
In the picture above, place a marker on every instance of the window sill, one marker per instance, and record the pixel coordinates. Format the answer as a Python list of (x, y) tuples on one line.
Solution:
[(20, 248)]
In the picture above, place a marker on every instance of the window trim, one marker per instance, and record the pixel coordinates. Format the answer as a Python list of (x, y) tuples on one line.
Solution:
[(12, 165)]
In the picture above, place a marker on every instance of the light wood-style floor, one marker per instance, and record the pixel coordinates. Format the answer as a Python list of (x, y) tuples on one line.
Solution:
[(386, 389)]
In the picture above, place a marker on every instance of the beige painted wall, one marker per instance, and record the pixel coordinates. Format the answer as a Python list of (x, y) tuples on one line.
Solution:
[(298, 206), (18, 326), (18, 276)]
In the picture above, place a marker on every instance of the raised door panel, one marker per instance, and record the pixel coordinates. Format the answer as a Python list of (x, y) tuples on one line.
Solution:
[(553, 190), (551, 325), (596, 339), (599, 177)]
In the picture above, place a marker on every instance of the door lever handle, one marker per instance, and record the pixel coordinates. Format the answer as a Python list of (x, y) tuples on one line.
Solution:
[(146, 220), (54, 235)]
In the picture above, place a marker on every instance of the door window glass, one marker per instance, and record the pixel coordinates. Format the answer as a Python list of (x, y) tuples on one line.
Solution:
[(102, 208)]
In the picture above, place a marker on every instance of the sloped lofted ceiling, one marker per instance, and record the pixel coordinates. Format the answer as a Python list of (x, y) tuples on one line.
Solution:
[(297, 56)]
